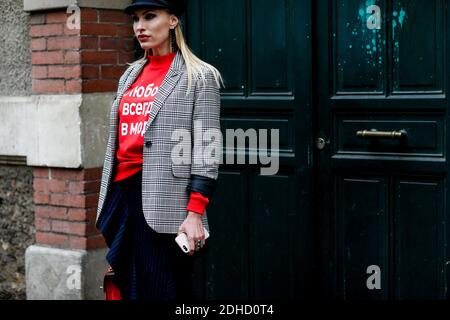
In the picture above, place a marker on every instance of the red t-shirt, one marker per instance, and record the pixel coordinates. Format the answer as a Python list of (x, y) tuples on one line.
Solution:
[(134, 112)]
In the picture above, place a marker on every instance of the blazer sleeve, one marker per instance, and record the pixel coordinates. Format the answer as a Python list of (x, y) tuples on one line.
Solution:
[(206, 135)]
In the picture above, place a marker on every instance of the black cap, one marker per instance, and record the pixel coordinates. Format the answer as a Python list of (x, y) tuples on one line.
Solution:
[(178, 7)]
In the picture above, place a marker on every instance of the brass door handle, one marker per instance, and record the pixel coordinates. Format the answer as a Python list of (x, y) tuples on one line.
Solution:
[(381, 134)]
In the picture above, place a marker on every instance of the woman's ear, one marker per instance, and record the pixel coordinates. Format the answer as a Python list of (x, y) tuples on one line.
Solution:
[(173, 21)]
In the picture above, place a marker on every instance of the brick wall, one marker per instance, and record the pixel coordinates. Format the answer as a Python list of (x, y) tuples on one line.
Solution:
[(90, 59), (86, 60), (64, 61), (65, 207)]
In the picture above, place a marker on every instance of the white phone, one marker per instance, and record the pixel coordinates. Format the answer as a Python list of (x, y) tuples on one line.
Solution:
[(183, 243)]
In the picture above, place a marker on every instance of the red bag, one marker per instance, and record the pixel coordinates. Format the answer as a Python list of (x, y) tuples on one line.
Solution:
[(110, 289)]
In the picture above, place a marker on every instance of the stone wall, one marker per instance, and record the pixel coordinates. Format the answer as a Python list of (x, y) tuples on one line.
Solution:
[(16, 182), (15, 62), (16, 228)]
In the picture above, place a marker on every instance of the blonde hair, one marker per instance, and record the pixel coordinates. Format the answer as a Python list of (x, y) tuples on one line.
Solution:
[(194, 65)]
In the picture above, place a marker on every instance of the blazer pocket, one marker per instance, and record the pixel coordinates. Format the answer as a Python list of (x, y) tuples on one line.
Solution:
[(181, 170)]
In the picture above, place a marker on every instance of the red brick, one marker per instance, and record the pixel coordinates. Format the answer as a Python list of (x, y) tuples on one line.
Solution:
[(57, 17), (126, 45), (90, 72), (126, 58), (73, 86), (89, 42), (109, 43), (91, 229), (98, 29), (76, 187), (37, 18), (67, 174), (93, 173), (39, 72), (47, 57), (52, 239), (38, 44), (41, 185), (114, 16), (77, 214), (80, 187), (96, 57), (91, 213), (125, 31), (88, 15), (77, 201), (96, 242), (57, 43), (50, 212), (92, 186), (48, 86), (112, 72), (67, 72), (99, 85), (41, 172), (72, 57), (78, 243), (42, 224), (68, 227), (46, 30), (41, 198), (41, 211), (57, 186), (91, 200)]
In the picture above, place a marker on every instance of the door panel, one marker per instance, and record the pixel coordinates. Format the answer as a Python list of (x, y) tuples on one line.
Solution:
[(271, 47), (418, 45), (262, 232), (228, 263), (272, 236), (419, 248), (221, 39), (381, 196), (362, 226), (358, 53), (425, 134)]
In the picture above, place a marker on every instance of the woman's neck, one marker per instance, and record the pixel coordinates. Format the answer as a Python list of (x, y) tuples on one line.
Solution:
[(161, 51)]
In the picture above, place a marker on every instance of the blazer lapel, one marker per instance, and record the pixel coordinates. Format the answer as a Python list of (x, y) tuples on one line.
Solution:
[(122, 88), (167, 86), (131, 78)]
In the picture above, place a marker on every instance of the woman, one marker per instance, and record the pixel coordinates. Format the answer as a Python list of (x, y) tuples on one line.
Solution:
[(147, 194)]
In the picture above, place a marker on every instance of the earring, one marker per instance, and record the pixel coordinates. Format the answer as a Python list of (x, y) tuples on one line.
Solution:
[(173, 40)]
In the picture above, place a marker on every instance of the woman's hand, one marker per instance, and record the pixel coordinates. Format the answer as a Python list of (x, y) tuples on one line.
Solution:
[(193, 227)]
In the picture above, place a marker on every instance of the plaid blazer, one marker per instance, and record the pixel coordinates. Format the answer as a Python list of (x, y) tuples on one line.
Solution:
[(164, 183)]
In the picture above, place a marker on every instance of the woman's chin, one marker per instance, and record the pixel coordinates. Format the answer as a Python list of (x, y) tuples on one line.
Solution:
[(146, 46)]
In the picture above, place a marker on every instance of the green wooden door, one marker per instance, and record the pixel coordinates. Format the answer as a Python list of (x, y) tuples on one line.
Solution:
[(382, 200), (261, 243)]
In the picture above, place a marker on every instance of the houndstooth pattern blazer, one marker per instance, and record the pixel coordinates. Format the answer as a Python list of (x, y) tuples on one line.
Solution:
[(164, 183)]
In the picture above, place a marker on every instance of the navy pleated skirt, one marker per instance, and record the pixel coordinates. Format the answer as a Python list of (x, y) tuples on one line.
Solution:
[(147, 265)]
